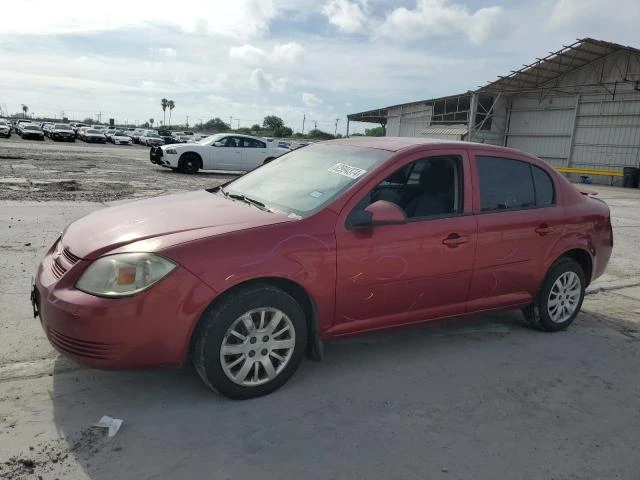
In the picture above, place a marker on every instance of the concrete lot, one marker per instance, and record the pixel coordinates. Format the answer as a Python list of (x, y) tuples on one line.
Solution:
[(478, 398)]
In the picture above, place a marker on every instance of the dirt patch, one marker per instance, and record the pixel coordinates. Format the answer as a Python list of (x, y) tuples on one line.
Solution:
[(48, 172), (45, 458)]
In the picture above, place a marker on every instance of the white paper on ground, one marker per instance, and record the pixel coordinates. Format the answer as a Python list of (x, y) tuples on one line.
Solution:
[(113, 424)]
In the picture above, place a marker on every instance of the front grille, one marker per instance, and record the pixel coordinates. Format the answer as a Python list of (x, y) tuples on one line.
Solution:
[(81, 348), (57, 269), (70, 257), (63, 261)]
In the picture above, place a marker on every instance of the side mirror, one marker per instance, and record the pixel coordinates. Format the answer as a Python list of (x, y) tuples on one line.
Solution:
[(377, 214), (218, 144)]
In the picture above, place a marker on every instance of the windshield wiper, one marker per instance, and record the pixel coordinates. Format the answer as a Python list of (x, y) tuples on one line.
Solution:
[(245, 199)]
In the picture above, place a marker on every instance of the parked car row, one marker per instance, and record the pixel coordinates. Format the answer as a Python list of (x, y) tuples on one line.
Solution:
[(5, 128)]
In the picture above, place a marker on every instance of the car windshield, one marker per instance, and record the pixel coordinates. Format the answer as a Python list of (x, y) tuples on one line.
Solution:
[(321, 172), (60, 126), (31, 127), (210, 140), (94, 131), (3, 122), (152, 135), (118, 132)]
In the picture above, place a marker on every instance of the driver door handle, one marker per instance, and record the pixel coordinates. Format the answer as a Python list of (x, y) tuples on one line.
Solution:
[(455, 240), (544, 229)]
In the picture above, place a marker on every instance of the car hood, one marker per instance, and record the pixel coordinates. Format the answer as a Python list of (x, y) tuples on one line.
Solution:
[(184, 145), (117, 226)]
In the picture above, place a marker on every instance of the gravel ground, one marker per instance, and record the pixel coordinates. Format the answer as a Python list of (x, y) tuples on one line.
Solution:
[(47, 171)]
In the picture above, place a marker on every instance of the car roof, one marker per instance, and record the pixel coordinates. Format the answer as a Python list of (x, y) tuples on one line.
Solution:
[(396, 144)]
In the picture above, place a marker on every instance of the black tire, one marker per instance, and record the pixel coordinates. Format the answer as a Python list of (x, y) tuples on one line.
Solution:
[(189, 163), (267, 160), (215, 322), (537, 314)]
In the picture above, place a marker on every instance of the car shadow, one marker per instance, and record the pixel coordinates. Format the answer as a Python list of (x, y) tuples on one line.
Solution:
[(375, 396)]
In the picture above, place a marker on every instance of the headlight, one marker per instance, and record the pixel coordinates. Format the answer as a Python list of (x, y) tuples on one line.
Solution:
[(124, 274), (171, 151)]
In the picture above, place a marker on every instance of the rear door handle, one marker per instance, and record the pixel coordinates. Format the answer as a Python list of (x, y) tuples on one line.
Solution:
[(454, 240), (544, 229)]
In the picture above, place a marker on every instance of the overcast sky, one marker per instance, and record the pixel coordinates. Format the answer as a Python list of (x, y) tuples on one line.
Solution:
[(251, 58)]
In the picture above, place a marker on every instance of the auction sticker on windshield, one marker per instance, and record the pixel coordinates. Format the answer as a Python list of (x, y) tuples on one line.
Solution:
[(347, 170)]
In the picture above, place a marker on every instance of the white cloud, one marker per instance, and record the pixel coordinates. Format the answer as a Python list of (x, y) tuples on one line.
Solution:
[(348, 16), (248, 54), (239, 18), (168, 52), (310, 100), (592, 16), (291, 52), (259, 80), (441, 18)]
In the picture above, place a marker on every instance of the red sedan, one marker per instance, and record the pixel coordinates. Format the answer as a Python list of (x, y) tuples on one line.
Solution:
[(333, 239)]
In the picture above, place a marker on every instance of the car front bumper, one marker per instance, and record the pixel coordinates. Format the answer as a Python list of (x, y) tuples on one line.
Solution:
[(150, 329), (63, 136), (95, 140), (33, 135)]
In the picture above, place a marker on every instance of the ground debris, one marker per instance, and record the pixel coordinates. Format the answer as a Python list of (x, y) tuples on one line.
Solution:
[(42, 457)]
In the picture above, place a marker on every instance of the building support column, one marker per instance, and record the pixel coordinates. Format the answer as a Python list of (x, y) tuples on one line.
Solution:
[(473, 109), (574, 127)]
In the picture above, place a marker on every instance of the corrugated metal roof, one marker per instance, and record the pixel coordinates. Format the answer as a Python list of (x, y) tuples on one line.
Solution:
[(543, 70), (380, 114), (445, 130)]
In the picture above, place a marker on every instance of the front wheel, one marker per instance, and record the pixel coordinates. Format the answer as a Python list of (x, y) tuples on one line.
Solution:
[(560, 298), (189, 163), (250, 343)]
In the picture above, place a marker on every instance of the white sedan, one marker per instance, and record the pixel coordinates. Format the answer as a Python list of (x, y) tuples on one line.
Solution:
[(119, 137), (223, 151)]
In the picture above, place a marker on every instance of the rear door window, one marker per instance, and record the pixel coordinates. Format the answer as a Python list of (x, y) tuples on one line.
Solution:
[(545, 193), (505, 184)]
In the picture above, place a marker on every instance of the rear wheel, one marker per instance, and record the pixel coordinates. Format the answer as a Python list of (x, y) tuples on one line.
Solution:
[(560, 298), (267, 160), (189, 163), (251, 342)]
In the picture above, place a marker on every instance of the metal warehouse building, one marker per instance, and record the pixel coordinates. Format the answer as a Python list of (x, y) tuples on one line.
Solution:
[(577, 107)]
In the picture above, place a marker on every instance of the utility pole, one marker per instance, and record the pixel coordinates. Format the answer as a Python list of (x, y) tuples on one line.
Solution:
[(238, 123), (304, 117), (99, 116), (336, 131), (315, 124), (187, 122), (200, 122)]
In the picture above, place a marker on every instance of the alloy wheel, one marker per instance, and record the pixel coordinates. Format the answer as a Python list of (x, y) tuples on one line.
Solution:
[(564, 297), (257, 346)]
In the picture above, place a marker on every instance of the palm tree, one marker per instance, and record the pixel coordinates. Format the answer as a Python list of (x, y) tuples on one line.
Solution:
[(163, 103), (25, 109), (151, 122), (171, 104)]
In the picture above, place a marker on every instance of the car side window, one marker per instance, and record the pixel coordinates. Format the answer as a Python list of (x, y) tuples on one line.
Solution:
[(505, 184), (545, 193), (427, 188), (252, 143)]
